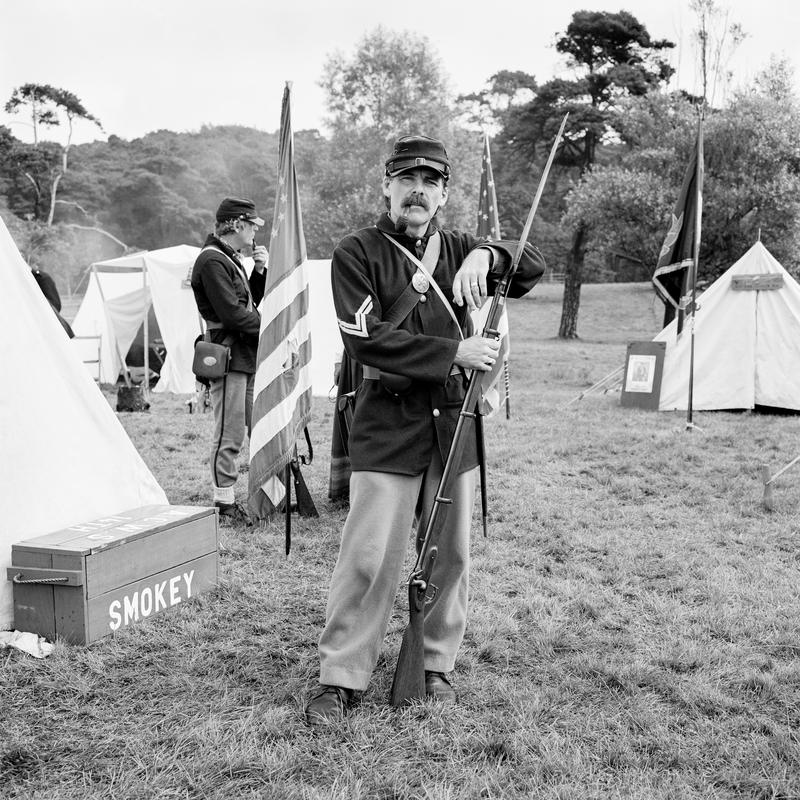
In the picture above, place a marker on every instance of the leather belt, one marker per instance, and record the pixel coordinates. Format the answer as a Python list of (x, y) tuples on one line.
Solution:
[(374, 374)]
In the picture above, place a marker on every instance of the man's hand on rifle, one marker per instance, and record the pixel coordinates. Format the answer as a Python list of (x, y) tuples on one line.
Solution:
[(469, 283), (477, 352)]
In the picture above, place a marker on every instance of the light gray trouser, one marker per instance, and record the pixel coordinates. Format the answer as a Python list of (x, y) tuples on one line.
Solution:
[(232, 400), (367, 572)]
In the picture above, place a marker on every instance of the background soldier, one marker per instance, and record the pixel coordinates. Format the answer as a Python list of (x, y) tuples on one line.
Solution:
[(227, 300)]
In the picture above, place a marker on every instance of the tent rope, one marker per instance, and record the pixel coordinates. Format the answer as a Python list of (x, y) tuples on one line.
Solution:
[(606, 383)]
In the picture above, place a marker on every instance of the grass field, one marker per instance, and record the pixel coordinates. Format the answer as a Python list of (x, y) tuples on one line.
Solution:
[(634, 628)]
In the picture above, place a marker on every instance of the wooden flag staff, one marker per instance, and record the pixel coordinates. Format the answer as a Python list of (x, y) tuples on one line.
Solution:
[(695, 261)]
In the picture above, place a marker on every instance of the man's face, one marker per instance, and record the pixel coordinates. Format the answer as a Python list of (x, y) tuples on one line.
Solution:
[(246, 231), (415, 195)]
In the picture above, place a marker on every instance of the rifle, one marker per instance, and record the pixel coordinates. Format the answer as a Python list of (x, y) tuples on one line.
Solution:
[(409, 675), (305, 504)]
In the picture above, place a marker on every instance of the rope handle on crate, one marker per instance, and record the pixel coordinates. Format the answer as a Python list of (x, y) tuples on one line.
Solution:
[(19, 579)]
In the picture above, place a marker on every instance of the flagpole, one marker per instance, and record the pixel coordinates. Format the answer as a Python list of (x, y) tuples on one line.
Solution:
[(695, 260)]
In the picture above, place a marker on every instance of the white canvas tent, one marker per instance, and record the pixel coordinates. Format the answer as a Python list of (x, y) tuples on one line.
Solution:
[(326, 341), (747, 344), (115, 305), (66, 458)]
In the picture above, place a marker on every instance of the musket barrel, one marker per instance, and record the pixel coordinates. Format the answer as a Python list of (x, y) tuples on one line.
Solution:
[(532, 213)]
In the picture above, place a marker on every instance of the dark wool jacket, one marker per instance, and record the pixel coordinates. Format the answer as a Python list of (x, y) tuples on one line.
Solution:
[(220, 290), (368, 273), (48, 287)]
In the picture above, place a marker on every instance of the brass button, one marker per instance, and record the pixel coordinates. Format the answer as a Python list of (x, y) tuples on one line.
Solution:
[(435, 412), (423, 299)]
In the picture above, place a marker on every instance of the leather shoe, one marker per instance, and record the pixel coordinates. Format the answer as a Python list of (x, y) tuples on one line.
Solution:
[(438, 688), (328, 704), (233, 513)]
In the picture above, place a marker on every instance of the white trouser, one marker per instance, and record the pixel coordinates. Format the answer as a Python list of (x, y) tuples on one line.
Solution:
[(368, 570)]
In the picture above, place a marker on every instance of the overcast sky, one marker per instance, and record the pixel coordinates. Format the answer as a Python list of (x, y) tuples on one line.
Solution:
[(142, 65)]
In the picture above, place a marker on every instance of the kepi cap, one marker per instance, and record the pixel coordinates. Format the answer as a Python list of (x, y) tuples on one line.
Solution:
[(411, 152), (237, 208)]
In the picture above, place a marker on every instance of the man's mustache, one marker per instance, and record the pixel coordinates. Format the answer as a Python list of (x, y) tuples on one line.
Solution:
[(416, 200)]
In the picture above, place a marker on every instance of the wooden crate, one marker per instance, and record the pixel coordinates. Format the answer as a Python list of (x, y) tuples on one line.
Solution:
[(86, 581)]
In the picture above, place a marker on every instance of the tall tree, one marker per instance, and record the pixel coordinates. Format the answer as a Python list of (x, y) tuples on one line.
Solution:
[(47, 105), (716, 38), (752, 177), (497, 107), (393, 84), (612, 56)]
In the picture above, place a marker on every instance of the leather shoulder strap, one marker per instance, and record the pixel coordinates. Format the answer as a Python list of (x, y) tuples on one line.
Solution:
[(239, 269), (409, 298), (434, 247), (402, 307)]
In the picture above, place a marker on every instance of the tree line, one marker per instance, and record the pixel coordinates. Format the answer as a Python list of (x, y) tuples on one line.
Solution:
[(602, 218)]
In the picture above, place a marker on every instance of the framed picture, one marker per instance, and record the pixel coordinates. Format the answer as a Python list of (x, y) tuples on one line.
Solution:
[(644, 363)]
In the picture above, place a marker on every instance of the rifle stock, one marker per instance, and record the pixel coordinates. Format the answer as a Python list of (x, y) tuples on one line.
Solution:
[(305, 503), (409, 675), (408, 683)]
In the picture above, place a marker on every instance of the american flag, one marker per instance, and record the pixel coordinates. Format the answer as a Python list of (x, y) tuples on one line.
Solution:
[(494, 383), (282, 395)]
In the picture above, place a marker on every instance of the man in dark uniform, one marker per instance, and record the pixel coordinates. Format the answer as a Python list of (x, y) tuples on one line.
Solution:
[(50, 291), (403, 290), (227, 300)]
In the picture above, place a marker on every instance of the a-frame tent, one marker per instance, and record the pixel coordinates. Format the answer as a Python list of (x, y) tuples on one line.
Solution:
[(747, 341), (65, 456), (116, 303)]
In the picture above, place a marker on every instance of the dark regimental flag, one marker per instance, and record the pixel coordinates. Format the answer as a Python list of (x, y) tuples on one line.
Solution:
[(282, 395), (674, 274), (494, 383)]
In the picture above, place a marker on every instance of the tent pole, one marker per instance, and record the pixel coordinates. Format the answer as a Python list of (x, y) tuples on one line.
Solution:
[(125, 371), (146, 380), (696, 258)]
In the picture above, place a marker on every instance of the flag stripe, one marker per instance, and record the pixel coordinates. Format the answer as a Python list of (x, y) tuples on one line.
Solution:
[(278, 426), (282, 379), (284, 293), (289, 329)]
